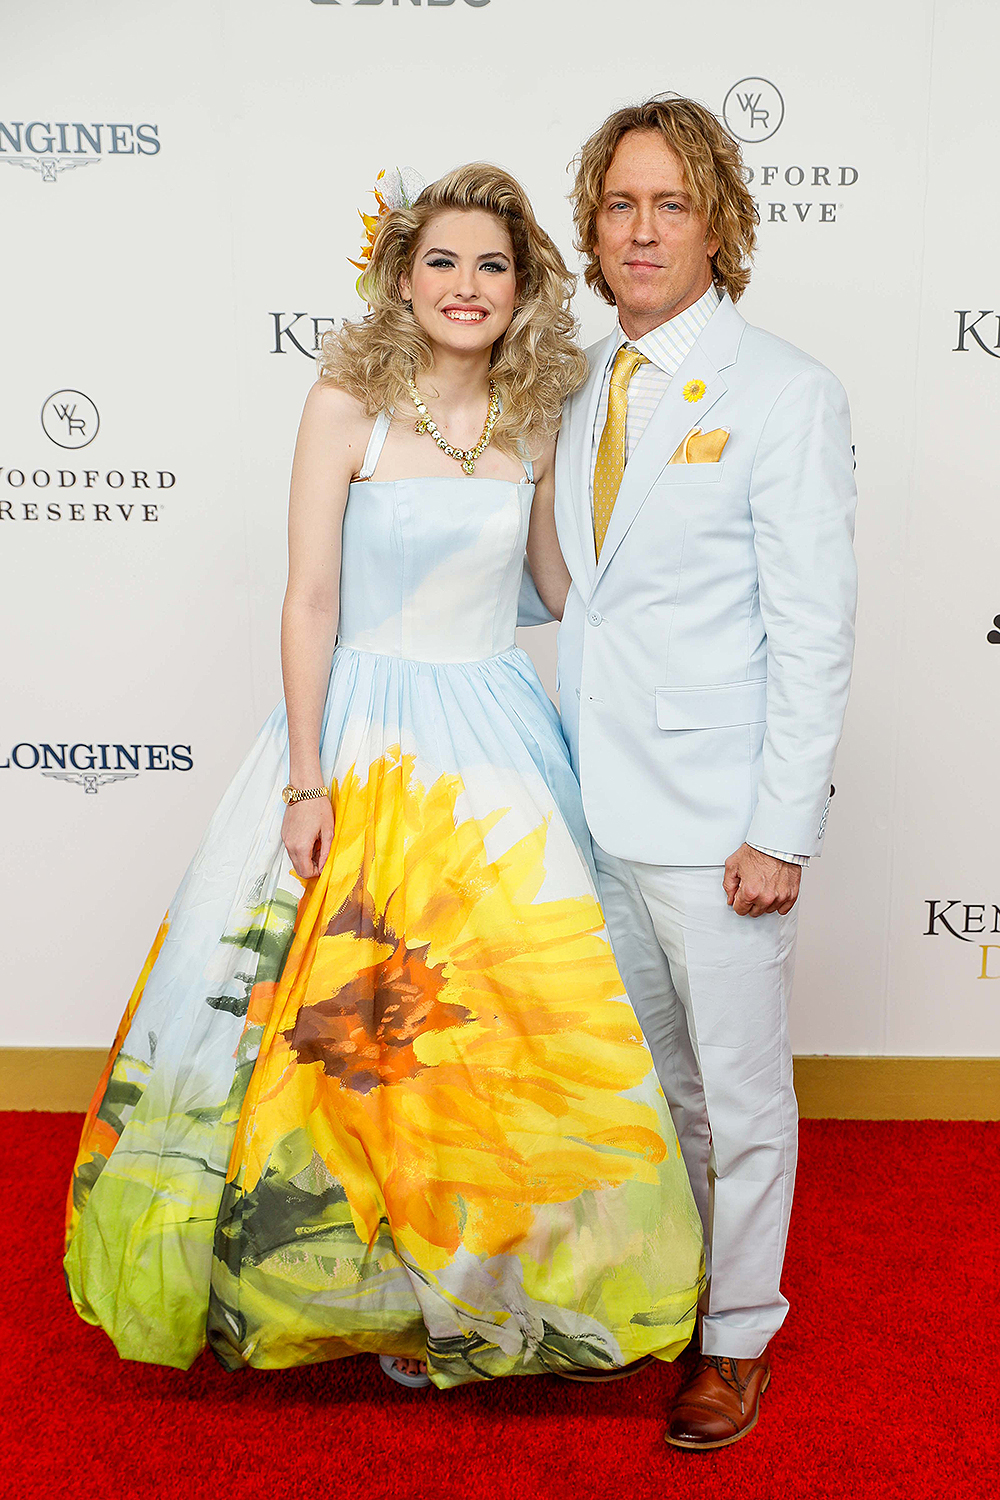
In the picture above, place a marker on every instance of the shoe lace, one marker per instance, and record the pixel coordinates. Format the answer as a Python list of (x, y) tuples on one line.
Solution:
[(728, 1373)]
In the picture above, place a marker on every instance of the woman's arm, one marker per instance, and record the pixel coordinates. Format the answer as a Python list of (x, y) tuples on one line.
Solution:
[(328, 452), (549, 572)]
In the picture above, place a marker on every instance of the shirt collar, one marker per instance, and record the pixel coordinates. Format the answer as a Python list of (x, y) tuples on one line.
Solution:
[(669, 344)]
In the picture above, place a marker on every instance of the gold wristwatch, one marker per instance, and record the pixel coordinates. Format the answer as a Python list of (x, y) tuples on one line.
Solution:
[(292, 794)]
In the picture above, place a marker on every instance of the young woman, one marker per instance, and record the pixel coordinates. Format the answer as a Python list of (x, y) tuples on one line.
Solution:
[(393, 1099)]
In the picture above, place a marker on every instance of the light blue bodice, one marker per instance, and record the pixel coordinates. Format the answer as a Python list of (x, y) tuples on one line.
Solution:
[(431, 567)]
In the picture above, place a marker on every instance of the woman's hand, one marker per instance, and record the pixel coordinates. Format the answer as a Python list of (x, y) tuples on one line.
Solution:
[(307, 834)]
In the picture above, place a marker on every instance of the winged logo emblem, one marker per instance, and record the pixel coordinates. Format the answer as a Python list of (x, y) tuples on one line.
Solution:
[(90, 780), (49, 166)]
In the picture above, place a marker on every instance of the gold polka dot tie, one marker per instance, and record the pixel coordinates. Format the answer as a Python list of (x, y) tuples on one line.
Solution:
[(610, 464)]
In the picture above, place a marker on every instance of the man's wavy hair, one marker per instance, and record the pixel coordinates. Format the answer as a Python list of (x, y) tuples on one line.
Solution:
[(536, 364), (713, 173)]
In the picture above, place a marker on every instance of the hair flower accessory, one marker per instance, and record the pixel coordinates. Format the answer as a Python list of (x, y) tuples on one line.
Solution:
[(395, 187)]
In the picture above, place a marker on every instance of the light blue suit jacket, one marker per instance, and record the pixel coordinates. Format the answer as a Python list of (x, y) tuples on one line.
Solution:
[(705, 661)]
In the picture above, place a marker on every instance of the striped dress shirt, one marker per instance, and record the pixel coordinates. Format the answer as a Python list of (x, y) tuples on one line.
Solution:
[(665, 348)]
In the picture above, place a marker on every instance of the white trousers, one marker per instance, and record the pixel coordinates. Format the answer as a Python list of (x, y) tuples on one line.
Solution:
[(710, 989)]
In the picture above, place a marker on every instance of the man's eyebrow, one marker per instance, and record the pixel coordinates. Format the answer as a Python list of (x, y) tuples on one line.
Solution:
[(666, 193)]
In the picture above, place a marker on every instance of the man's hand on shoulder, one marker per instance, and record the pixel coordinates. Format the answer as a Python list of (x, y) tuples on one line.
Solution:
[(757, 883)]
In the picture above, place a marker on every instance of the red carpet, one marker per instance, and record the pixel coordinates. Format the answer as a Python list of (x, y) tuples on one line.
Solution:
[(885, 1375)]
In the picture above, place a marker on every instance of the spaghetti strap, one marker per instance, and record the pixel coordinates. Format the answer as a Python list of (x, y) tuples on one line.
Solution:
[(529, 469), (375, 445)]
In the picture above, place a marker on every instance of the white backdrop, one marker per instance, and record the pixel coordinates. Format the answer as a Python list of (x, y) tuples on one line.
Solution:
[(155, 267)]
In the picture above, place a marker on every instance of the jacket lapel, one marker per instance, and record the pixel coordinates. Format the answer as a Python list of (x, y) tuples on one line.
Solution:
[(574, 520), (713, 352)]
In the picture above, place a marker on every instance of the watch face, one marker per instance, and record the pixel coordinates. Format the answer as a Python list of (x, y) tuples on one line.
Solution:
[(286, 795)]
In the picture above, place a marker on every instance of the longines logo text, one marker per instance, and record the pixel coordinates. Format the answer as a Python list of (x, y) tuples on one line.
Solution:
[(969, 327), (95, 765), (967, 921), (50, 147)]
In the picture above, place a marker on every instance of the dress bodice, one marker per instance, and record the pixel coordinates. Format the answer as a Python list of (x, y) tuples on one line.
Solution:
[(431, 567)]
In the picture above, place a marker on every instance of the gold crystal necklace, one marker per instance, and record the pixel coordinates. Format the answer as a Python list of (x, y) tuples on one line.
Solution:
[(465, 456)]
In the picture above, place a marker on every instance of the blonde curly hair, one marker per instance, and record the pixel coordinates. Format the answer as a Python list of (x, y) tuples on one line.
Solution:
[(536, 364), (713, 174)]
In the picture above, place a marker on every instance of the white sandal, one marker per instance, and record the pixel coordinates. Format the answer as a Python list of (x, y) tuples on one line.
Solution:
[(415, 1382)]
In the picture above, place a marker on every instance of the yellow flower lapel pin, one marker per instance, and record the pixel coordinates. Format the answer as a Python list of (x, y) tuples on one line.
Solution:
[(694, 390)]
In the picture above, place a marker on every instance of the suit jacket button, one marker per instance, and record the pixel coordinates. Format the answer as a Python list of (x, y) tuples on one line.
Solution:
[(595, 617)]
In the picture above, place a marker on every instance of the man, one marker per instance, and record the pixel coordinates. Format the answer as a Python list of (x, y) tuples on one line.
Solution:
[(704, 505)]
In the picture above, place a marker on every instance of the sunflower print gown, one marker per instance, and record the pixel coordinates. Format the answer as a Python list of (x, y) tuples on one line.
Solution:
[(404, 1107)]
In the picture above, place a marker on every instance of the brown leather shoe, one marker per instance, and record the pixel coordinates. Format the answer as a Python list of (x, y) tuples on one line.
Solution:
[(719, 1404)]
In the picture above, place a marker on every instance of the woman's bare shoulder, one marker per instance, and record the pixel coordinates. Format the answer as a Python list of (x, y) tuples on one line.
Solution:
[(334, 429), (329, 404)]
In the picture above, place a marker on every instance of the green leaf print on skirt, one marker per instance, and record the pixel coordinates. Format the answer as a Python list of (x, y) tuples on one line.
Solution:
[(152, 1168)]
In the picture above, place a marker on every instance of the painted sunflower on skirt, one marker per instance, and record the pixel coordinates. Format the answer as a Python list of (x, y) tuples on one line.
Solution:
[(456, 1050)]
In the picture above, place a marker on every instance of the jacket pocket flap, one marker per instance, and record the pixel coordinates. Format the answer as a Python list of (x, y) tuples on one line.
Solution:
[(712, 707), (673, 474)]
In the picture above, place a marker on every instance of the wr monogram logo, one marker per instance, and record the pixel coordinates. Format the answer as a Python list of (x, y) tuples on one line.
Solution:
[(753, 109), (70, 419)]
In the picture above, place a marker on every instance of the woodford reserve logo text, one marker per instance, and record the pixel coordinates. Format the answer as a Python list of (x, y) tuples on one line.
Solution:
[(968, 921), (754, 110), (55, 507), (69, 420), (93, 765)]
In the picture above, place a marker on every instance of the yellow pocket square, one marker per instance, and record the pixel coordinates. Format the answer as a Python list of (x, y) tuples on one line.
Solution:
[(702, 447)]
